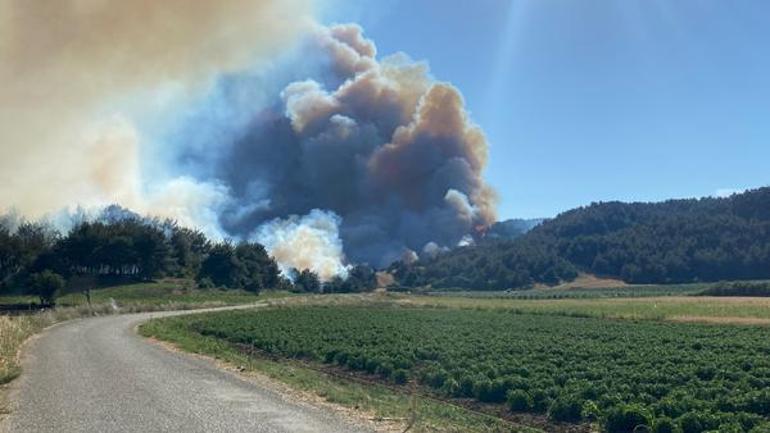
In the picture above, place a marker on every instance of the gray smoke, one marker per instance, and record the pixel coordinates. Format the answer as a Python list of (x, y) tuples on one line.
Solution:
[(380, 144)]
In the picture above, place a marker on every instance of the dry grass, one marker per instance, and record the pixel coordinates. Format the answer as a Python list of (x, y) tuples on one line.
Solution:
[(13, 332), (587, 282), (726, 310)]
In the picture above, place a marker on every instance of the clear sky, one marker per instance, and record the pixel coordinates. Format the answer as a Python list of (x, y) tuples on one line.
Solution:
[(588, 100)]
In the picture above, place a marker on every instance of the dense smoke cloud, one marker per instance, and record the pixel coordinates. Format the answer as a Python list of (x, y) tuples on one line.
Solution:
[(67, 65), (378, 142), (300, 136), (308, 242)]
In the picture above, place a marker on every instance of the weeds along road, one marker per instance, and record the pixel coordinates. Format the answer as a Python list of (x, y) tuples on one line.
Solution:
[(97, 375)]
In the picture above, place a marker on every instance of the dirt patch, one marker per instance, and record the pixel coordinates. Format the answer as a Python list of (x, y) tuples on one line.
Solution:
[(587, 282), (761, 301), (754, 321)]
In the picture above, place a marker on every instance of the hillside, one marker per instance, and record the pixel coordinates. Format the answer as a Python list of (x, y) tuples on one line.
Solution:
[(675, 241), (512, 228)]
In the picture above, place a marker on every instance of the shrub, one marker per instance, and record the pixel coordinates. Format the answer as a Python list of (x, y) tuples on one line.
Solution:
[(759, 402), (451, 387), (664, 425), (540, 400), (761, 428), (694, 422), (519, 401), (46, 286), (490, 391), (565, 408), (626, 418)]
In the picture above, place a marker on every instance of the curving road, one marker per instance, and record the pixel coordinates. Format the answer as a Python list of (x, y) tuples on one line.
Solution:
[(97, 375)]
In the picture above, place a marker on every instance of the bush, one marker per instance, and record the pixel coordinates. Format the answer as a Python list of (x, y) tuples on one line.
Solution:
[(565, 408), (490, 391), (744, 288), (452, 388), (758, 402), (540, 400), (664, 425), (626, 418), (46, 285), (691, 422), (762, 428), (519, 401)]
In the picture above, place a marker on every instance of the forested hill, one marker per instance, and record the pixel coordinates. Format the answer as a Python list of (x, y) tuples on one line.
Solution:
[(675, 241), (512, 229)]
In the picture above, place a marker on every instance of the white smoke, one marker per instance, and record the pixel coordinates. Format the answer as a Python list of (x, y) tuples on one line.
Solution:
[(390, 155), (67, 65), (306, 242)]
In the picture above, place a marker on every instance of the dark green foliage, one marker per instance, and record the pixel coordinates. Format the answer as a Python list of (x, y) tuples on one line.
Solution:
[(691, 422), (21, 248), (676, 241), (189, 248), (490, 265), (121, 246), (258, 270), (511, 229), (664, 425), (627, 419), (663, 376), (220, 266), (565, 408), (306, 281), (519, 401), (361, 278), (245, 266), (744, 288), (400, 376), (130, 248), (46, 285)]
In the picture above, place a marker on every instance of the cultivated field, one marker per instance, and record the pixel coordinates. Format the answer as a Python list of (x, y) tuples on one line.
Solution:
[(558, 365)]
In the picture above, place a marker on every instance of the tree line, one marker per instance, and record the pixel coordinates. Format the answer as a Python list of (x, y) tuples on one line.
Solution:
[(40, 260), (676, 241)]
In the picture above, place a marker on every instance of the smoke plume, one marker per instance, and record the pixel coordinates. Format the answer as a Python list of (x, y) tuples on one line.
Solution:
[(67, 65), (244, 118), (379, 143), (308, 242)]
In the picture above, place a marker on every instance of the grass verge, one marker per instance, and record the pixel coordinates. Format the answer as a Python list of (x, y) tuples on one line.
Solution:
[(388, 408), (135, 298)]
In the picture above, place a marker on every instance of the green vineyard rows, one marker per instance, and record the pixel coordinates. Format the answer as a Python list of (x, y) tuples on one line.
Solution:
[(684, 378)]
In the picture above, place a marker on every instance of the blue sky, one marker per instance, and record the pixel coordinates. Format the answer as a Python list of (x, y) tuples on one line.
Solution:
[(595, 100)]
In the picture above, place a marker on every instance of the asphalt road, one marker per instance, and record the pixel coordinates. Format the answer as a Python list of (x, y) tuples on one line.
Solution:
[(97, 375)]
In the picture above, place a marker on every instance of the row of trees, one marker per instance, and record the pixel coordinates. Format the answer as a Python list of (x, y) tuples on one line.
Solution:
[(121, 246), (360, 278), (676, 241)]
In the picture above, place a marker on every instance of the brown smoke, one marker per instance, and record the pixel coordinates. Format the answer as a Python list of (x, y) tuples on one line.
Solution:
[(65, 66), (383, 145)]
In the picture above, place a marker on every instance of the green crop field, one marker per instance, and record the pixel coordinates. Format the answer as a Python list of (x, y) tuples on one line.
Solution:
[(621, 374)]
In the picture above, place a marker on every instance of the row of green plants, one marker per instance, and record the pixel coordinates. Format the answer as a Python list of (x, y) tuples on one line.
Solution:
[(623, 375)]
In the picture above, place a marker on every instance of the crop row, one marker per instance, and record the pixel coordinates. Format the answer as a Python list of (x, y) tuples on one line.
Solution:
[(668, 377)]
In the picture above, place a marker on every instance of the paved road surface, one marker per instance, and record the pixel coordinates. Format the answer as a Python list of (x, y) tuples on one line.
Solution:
[(97, 375)]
